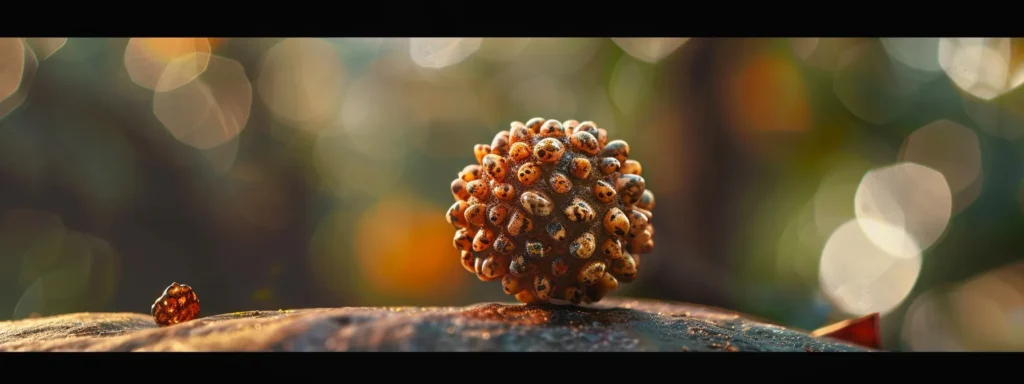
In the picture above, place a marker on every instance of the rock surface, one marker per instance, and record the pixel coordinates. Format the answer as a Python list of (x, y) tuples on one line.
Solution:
[(613, 325)]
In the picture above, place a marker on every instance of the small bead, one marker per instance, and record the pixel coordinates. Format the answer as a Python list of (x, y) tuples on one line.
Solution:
[(500, 143), (535, 249), (570, 126), (650, 216), (457, 214), (552, 128), (617, 149), (478, 189), (631, 167), (527, 297), (646, 200), (463, 240), (528, 174), (591, 273), (580, 211), (511, 284), (602, 137), (519, 223), (468, 261), (495, 166), (559, 267), (584, 142), (624, 268), (504, 192), (580, 167), (481, 150), (476, 214), (608, 165), (496, 214), (542, 285), (503, 244), (616, 223), (588, 127), (549, 150), (637, 223), (520, 266), (560, 184), (604, 192), (574, 295), (519, 151), (470, 172), (483, 240), (556, 231), (630, 188), (520, 134), (178, 304), (583, 246), (535, 204), (534, 124), (612, 248), (494, 266), (459, 190)]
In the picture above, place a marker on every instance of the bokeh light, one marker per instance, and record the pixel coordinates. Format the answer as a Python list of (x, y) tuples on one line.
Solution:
[(953, 150), (650, 50), (981, 67), (301, 81), (441, 52), (44, 47), (211, 109), (860, 277), (149, 61), (17, 66), (908, 196)]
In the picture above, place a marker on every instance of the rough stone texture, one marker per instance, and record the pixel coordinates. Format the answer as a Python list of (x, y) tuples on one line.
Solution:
[(613, 325)]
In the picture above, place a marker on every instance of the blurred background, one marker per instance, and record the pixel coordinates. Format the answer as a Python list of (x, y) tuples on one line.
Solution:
[(804, 181)]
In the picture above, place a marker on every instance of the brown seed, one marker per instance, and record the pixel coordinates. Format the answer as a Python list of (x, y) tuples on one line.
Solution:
[(478, 189), (494, 266), (646, 200), (637, 223), (573, 295), (580, 168), (496, 214), (559, 267), (583, 246), (504, 245), (584, 142), (481, 150), (535, 204), (519, 151), (602, 137), (511, 284), (650, 228), (468, 261), (483, 240), (499, 145), (542, 285), (457, 214), (463, 240), (617, 149), (528, 174), (459, 190), (520, 134), (588, 127), (552, 128), (535, 249), (549, 150), (580, 211), (570, 125), (591, 273), (495, 166), (534, 124), (504, 192), (556, 231), (616, 223), (527, 297), (470, 172), (624, 268), (520, 266), (606, 284), (476, 214), (630, 187), (519, 223), (560, 184), (608, 165), (612, 248), (647, 213), (604, 192), (646, 247), (178, 304), (631, 167)]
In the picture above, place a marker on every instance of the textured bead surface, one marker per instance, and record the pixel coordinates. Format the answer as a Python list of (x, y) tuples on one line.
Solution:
[(178, 304), (554, 211)]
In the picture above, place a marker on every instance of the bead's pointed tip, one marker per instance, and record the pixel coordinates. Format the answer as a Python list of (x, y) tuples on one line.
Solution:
[(863, 331)]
